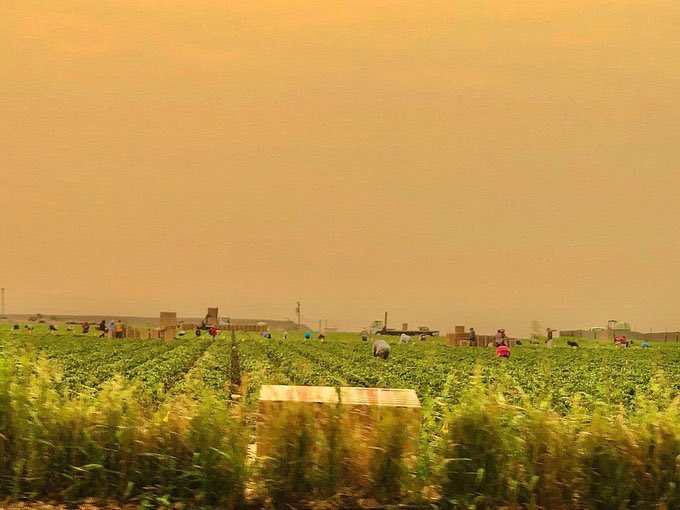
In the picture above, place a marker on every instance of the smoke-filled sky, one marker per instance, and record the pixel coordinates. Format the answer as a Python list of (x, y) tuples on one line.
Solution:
[(477, 162)]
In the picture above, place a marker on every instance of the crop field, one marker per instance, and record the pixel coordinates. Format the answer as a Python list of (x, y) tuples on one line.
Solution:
[(595, 376), (152, 422)]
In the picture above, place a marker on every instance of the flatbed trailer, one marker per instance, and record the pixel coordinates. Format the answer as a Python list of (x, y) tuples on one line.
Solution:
[(380, 328), (409, 332)]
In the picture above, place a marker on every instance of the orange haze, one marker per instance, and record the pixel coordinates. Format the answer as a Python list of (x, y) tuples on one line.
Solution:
[(486, 162)]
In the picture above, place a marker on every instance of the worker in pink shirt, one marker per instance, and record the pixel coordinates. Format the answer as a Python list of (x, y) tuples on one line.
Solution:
[(502, 351)]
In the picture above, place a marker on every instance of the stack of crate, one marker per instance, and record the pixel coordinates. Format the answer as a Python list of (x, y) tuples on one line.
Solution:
[(246, 328), (459, 338), (212, 318), (168, 320)]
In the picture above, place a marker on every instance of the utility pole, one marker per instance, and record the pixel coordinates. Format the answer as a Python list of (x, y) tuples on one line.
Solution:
[(2, 312), (297, 311), (320, 326)]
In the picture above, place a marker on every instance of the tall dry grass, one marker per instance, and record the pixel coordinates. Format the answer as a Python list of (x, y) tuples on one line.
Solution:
[(111, 445), (495, 454)]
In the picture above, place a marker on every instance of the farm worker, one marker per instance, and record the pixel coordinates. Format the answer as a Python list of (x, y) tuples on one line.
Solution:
[(381, 349), (549, 337), (645, 345), (213, 332), (285, 335), (267, 334), (473, 338), (404, 339), (422, 337), (119, 329), (321, 336), (86, 328), (364, 335), (308, 335), (198, 331), (502, 351), (499, 337), (112, 329), (620, 341), (53, 327)]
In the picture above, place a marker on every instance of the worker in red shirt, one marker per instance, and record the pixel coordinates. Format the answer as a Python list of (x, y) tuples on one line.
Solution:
[(502, 351), (213, 332)]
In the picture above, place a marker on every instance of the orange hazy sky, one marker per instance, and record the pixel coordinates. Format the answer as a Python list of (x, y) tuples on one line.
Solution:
[(477, 162)]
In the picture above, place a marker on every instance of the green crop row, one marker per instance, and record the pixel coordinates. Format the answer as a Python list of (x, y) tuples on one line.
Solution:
[(156, 422)]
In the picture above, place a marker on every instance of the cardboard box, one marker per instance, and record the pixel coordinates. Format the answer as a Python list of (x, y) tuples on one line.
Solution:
[(364, 413)]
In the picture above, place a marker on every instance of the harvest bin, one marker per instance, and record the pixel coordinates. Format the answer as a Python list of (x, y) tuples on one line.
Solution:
[(364, 413)]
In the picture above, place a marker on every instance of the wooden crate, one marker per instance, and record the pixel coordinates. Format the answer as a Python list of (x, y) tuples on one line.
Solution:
[(485, 340), (460, 329), (212, 318), (168, 334), (458, 339), (452, 340), (168, 320)]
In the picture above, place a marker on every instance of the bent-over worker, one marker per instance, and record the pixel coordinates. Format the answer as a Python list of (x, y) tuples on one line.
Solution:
[(502, 351), (364, 335), (381, 349)]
